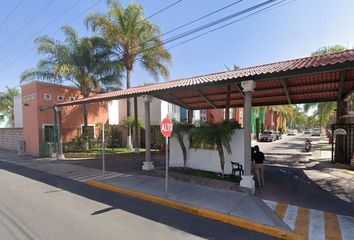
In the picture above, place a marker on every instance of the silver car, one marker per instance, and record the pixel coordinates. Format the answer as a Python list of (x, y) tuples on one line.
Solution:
[(268, 136)]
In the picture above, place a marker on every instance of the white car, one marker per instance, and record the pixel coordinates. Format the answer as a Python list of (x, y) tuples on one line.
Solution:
[(292, 132)]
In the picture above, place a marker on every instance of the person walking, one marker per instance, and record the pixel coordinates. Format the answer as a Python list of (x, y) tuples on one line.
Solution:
[(258, 158)]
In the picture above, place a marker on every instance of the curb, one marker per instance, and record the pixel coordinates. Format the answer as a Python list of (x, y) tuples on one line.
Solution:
[(239, 222)]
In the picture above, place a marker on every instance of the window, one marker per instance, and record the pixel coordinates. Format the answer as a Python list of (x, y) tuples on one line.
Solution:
[(2, 118), (60, 98), (90, 131), (32, 96), (28, 97), (71, 98), (47, 96), (48, 133), (24, 98)]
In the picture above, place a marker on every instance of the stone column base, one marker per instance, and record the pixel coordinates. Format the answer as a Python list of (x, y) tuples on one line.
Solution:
[(248, 182), (60, 156), (147, 166)]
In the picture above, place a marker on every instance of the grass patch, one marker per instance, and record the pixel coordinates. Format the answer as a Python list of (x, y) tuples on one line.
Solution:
[(210, 175)]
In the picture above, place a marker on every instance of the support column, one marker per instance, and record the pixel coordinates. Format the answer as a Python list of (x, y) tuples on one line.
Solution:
[(136, 142), (60, 154), (247, 179), (190, 116), (148, 164)]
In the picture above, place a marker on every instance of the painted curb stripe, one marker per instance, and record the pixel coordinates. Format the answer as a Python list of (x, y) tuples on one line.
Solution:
[(332, 229), (239, 222), (317, 230), (280, 210), (346, 227), (302, 223), (290, 216)]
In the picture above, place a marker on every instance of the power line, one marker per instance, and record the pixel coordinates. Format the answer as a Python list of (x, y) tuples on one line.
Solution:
[(271, 7), (218, 21), (41, 30), (34, 47), (10, 13), (164, 9), (211, 24), (189, 23), (27, 23)]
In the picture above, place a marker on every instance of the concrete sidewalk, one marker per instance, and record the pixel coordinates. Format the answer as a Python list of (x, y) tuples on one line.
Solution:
[(240, 209)]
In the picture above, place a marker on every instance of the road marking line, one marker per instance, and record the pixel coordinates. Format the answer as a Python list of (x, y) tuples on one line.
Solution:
[(317, 231), (280, 209), (272, 205), (302, 222), (290, 216), (332, 229), (346, 226)]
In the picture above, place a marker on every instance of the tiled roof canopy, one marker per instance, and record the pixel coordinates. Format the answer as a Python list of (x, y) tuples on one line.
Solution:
[(312, 79)]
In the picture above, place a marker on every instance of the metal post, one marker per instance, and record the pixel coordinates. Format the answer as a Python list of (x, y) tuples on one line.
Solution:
[(166, 168), (103, 154)]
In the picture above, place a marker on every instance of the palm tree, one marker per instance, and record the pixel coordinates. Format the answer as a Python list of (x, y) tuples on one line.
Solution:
[(215, 134), (323, 112), (7, 103), (179, 131), (133, 39), (85, 62)]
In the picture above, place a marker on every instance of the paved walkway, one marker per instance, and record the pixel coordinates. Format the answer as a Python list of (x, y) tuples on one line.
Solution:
[(307, 222), (314, 224)]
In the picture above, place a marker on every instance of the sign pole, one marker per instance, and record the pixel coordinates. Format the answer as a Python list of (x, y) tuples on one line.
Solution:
[(103, 155), (166, 168)]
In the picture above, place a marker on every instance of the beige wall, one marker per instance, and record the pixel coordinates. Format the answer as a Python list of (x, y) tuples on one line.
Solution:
[(10, 137)]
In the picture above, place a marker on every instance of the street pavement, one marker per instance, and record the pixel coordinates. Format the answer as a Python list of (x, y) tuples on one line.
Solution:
[(39, 205)]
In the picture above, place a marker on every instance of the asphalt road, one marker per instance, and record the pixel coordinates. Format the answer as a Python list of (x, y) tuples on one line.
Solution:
[(36, 205), (288, 144)]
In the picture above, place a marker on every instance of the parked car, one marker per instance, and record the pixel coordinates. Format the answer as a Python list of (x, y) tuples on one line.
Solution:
[(308, 132), (278, 135), (292, 132), (268, 136), (316, 132)]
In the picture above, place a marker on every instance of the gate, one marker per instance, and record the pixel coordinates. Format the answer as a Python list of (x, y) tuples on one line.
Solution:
[(343, 149)]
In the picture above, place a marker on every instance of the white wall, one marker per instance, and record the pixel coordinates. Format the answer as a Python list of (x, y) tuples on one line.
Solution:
[(205, 159), (113, 112), (18, 113)]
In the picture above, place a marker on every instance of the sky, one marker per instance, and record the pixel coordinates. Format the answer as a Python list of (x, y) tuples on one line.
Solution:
[(293, 29)]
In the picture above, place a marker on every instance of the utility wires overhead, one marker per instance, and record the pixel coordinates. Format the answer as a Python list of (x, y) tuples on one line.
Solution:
[(10, 13)]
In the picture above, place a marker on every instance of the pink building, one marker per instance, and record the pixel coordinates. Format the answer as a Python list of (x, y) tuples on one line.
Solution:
[(38, 99)]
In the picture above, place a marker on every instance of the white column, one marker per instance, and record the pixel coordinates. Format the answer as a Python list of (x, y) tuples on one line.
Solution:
[(148, 164), (60, 154), (247, 179)]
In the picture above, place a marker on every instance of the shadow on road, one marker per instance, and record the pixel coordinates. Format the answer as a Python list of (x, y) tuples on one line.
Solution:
[(190, 223)]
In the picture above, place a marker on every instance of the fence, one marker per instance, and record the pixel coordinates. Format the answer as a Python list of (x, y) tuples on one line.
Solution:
[(10, 138)]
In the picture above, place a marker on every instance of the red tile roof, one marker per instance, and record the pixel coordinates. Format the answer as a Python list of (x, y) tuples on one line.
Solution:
[(307, 79)]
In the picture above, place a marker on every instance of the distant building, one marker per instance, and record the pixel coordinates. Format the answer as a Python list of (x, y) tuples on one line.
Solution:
[(5, 120)]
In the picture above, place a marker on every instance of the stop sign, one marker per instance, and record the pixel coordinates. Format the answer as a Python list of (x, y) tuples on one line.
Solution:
[(166, 127)]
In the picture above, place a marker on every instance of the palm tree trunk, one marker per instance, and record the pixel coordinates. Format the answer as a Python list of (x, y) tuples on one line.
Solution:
[(221, 156), (84, 130), (184, 150), (129, 132), (12, 119)]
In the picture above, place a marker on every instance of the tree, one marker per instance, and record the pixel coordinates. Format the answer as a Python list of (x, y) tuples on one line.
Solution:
[(179, 131), (328, 49), (85, 62), (215, 134), (7, 103), (133, 39)]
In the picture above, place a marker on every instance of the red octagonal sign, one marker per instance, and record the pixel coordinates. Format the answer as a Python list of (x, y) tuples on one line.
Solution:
[(166, 127)]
